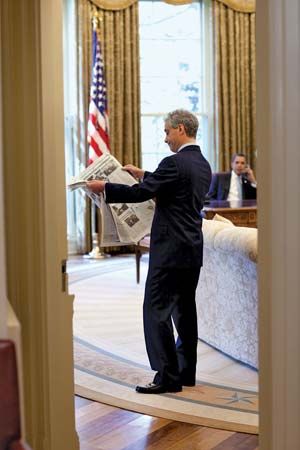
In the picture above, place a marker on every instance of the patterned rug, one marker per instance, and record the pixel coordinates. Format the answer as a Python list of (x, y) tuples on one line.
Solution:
[(110, 359)]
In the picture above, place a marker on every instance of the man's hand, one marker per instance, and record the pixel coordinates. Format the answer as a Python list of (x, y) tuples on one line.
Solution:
[(96, 186), (248, 172), (135, 171)]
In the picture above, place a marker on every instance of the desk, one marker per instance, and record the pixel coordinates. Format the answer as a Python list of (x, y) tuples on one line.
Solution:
[(242, 213)]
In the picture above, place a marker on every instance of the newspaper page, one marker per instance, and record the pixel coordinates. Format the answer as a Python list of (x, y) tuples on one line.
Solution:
[(124, 223), (109, 233)]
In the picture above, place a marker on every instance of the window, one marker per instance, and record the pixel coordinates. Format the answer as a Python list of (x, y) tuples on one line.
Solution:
[(175, 72), (70, 108)]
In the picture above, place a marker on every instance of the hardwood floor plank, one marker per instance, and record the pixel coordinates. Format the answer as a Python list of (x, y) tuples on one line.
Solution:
[(239, 441), (81, 401), (87, 413), (87, 446), (163, 437), (202, 438), (128, 434), (110, 422)]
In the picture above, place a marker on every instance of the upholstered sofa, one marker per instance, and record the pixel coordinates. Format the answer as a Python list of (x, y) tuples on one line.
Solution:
[(227, 290)]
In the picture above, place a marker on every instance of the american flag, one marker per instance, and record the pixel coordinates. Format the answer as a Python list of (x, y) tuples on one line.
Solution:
[(98, 138)]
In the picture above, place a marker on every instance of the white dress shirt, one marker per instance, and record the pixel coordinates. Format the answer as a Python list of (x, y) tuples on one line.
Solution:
[(235, 190), (186, 145)]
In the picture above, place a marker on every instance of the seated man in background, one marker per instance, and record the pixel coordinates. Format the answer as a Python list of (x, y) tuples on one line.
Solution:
[(239, 184)]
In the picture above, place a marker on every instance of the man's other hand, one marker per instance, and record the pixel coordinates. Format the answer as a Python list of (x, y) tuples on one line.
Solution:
[(96, 186), (135, 171)]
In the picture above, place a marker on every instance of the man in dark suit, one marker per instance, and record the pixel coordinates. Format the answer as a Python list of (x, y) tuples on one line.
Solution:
[(179, 185), (239, 184)]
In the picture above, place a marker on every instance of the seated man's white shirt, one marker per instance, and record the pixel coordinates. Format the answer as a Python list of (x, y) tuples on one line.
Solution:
[(235, 190)]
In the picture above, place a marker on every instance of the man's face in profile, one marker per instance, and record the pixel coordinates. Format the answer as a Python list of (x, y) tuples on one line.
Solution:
[(238, 165), (173, 136)]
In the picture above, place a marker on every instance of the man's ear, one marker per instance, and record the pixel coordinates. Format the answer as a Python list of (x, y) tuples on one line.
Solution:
[(181, 128)]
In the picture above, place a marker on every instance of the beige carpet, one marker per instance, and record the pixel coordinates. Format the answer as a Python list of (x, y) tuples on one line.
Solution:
[(110, 356)]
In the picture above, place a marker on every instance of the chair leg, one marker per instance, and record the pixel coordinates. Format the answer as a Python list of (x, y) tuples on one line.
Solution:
[(138, 255)]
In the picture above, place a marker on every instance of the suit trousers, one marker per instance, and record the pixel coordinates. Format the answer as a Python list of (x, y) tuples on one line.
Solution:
[(170, 295)]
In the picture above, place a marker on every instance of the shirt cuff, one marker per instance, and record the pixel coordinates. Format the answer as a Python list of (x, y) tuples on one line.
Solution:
[(104, 192)]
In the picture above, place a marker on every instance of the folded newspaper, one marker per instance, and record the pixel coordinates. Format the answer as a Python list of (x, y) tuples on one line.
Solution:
[(122, 223)]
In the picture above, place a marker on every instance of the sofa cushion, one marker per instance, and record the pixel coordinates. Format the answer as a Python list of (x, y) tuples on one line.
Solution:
[(226, 237), (211, 228), (220, 218), (241, 239)]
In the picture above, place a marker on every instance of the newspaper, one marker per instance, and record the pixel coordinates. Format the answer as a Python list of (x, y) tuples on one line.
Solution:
[(122, 223)]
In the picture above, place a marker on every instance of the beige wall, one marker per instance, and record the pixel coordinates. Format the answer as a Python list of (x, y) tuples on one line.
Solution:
[(278, 119), (35, 215), (2, 241)]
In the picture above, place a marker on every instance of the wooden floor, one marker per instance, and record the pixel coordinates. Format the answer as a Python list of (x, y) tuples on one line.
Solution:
[(104, 427)]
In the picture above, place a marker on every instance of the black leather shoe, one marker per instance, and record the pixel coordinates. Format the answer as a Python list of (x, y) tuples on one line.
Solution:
[(153, 388)]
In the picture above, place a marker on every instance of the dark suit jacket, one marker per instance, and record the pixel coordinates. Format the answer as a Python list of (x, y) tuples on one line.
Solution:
[(179, 185), (220, 185)]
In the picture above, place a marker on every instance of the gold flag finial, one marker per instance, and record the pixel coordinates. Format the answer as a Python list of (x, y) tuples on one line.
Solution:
[(95, 20)]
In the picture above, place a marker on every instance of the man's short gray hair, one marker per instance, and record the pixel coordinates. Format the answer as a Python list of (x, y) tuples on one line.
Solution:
[(186, 118)]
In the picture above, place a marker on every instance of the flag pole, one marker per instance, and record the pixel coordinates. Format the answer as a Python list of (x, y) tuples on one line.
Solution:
[(96, 252), (96, 216)]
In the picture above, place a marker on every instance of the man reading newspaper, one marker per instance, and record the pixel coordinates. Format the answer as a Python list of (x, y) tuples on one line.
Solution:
[(179, 185)]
